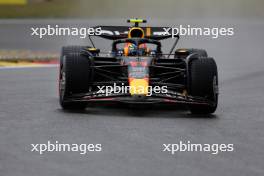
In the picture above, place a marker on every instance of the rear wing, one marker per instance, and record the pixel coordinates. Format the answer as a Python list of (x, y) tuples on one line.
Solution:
[(121, 32)]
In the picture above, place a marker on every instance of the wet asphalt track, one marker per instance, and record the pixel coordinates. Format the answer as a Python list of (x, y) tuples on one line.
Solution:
[(132, 138)]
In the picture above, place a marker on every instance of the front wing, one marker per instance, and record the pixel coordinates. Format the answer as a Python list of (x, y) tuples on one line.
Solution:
[(170, 97)]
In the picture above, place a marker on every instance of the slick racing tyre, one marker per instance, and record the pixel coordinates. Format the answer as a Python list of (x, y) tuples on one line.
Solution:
[(184, 53), (73, 78), (203, 82), (200, 52)]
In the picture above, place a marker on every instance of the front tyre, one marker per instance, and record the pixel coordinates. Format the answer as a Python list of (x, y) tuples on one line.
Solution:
[(67, 50), (203, 82), (73, 79)]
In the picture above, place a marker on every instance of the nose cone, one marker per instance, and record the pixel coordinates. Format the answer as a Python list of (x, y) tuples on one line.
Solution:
[(138, 75), (139, 86)]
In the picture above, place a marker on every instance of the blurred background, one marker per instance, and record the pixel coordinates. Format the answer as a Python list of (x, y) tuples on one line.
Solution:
[(168, 9), (246, 17)]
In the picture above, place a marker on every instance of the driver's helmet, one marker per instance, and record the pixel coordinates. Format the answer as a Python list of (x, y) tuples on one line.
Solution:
[(131, 49)]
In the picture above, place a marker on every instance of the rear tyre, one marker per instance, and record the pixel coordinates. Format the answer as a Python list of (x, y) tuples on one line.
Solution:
[(184, 53), (203, 82), (73, 79), (200, 52)]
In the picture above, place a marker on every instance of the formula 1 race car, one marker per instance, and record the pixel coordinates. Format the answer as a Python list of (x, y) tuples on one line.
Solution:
[(137, 71)]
